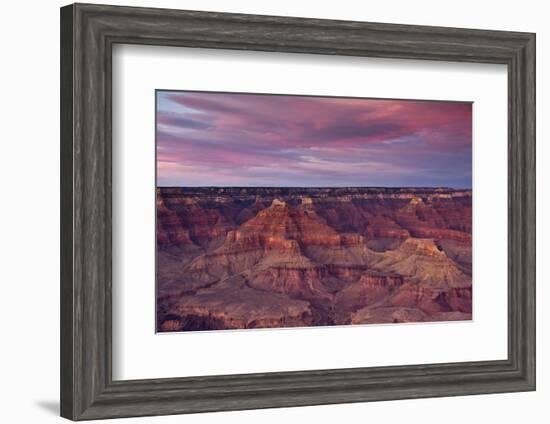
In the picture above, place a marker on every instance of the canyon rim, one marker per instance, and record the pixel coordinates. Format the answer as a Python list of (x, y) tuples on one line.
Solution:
[(296, 211)]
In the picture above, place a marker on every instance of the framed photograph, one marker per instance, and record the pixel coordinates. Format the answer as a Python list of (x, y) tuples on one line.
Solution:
[(263, 211)]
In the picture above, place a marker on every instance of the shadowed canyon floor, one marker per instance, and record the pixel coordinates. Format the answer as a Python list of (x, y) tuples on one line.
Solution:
[(234, 258)]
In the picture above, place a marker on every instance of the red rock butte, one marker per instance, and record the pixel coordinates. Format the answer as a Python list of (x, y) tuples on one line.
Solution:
[(235, 258)]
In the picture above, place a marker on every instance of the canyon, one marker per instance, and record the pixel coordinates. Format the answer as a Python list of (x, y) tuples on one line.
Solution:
[(236, 258)]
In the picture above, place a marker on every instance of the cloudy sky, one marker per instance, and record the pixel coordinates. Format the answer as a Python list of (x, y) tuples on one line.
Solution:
[(224, 139)]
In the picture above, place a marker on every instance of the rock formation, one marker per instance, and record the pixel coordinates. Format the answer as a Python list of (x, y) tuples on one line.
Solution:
[(283, 257)]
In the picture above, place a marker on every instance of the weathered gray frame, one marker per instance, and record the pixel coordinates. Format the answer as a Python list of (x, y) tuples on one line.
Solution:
[(88, 33)]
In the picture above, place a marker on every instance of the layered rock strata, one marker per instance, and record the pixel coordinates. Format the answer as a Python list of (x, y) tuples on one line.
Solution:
[(233, 258)]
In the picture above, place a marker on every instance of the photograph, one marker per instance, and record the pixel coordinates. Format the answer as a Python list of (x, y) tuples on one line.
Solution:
[(277, 210)]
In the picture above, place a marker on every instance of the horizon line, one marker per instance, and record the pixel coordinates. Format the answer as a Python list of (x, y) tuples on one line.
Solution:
[(318, 187)]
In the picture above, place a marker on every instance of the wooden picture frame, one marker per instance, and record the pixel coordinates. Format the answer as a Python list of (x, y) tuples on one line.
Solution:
[(88, 33)]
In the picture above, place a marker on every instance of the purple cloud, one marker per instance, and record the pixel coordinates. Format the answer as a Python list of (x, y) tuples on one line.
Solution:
[(241, 139)]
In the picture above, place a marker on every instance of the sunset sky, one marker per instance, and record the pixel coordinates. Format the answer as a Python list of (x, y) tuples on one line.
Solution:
[(224, 139)]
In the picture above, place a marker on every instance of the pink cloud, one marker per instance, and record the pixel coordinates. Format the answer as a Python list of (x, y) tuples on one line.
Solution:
[(243, 135)]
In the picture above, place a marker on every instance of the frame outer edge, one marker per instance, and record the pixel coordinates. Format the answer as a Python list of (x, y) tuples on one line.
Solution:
[(522, 210), (67, 376), (529, 225)]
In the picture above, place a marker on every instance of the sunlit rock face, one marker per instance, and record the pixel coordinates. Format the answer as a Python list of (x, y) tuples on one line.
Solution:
[(236, 258)]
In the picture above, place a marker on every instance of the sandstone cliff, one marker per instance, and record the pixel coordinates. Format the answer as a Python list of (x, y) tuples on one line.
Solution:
[(281, 257)]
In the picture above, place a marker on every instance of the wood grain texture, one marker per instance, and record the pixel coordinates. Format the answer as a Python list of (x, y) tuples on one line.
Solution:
[(88, 33), (66, 212)]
